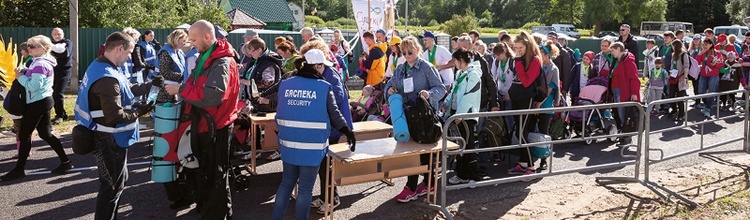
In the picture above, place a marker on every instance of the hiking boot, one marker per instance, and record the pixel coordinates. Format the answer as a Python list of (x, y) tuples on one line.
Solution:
[(422, 190), (456, 180), (63, 168), (322, 208), (13, 175), (706, 112), (406, 195)]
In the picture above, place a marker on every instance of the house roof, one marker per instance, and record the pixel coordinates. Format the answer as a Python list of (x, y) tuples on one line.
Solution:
[(239, 17), (268, 11)]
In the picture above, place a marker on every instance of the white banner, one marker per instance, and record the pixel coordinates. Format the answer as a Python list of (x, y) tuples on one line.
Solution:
[(368, 20)]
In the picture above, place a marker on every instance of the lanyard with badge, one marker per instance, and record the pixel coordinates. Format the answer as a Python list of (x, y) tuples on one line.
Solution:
[(503, 66), (431, 55), (666, 51), (408, 81)]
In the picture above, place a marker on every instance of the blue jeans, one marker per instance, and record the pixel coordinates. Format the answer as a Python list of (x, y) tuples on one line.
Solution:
[(620, 110), (708, 85), (292, 173), (111, 163)]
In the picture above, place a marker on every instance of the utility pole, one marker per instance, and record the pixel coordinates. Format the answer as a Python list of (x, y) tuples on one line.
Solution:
[(73, 7), (406, 28)]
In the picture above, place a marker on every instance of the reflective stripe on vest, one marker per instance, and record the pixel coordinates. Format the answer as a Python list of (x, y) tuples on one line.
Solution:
[(303, 146), (301, 124)]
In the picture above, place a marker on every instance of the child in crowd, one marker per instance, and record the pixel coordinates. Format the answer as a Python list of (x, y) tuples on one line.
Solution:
[(363, 104), (650, 54), (657, 78), (730, 80)]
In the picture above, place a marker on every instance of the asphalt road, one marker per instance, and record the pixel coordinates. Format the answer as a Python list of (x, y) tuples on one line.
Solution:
[(73, 196)]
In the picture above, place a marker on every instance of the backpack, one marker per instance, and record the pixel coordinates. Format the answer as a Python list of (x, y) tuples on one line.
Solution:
[(424, 124), (541, 86), (495, 133), (15, 100)]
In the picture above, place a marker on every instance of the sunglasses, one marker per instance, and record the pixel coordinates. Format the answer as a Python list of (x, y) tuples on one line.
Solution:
[(623, 29), (33, 46), (408, 52)]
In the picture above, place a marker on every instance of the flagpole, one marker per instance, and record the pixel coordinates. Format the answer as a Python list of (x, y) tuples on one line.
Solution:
[(369, 19)]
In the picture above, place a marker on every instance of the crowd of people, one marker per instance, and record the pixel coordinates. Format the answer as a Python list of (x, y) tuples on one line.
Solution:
[(217, 82)]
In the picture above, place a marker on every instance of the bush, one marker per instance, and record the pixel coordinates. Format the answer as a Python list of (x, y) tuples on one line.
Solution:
[(333, 24), (400, 21), (484, 22), (459, 24), (528, 26), (346, 21), (433, 22), (311, 20)]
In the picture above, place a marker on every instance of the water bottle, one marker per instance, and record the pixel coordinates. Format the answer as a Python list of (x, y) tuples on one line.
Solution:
[(254, 88), (153, 93)]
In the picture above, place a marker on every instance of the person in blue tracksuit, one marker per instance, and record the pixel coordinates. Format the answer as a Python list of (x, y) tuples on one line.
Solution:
[(303, 138), (105, 106)]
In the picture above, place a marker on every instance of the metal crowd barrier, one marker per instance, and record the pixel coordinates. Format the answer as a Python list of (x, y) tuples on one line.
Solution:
[(648, 162), (635, 159)]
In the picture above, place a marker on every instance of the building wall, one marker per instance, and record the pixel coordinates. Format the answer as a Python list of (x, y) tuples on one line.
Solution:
[(299, 15)]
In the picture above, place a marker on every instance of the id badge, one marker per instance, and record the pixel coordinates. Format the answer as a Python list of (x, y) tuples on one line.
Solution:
[(409, 85)]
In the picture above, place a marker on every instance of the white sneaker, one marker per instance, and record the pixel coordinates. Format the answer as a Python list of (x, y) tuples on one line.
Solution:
[(9, 133), (275, 156), (316, 203), (457, 180), (322, 208)]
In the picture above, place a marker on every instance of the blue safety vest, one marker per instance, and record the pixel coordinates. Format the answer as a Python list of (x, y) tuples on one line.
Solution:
[(150, 57), (126, 134), (302, 119), (191, 53), (133, 77), (178, 58)]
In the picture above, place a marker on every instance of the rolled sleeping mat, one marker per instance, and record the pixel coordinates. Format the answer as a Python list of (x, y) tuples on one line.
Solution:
[(163, 171), (400, 127), (167, 117)]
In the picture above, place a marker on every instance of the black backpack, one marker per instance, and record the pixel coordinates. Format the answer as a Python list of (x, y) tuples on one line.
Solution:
[(424, 125), (15, 100), (495, 133)]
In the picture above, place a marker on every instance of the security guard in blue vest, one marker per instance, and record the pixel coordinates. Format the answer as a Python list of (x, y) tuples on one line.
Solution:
[(112, 116), (148, 51), (307, 110)]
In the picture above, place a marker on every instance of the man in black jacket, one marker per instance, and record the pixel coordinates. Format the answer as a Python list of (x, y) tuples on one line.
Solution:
[(630, 44), (562, 61), (63, 53)]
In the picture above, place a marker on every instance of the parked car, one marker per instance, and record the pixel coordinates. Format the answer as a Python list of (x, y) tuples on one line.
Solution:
[(656, 37), (606, 33), (567, 29), (737, 30), (542, 29)]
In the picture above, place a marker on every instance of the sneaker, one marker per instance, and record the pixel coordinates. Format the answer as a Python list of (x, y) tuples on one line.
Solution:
[(322, 208), (706, 112), (528, 172), (406, 195), (456, 180), (9, 133), (607, 114), (700, 105), (250, 157), (275, 156), (57, 120), (422, 190), (63, 168), (316, 203), (240, 152), (518, 170), (13, 175), (542, 165)]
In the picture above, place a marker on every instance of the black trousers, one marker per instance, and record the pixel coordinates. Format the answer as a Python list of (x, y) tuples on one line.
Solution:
[(211, 179), (36, 117), (411, 181), (60, 83), (674, 92)]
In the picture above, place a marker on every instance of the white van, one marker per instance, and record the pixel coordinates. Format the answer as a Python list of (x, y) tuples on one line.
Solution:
[(568, 29), (737, 30)]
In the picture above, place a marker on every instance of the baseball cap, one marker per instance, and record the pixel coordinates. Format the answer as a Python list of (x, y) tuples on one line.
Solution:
[(428, 34), (721, 37), (316, 56), (395, 40), (552, 33), (381, 31), (250, 33)]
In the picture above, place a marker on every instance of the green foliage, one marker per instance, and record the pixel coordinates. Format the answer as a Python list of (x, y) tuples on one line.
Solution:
[(604, 10), (433, 22), (460, 24), (311, 20), (24, 13), (566, 11), (346, 21), (487, 19), (529, 25), (653, 10), (738, 10)]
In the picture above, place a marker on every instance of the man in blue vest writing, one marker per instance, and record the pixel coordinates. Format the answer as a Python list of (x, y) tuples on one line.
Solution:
[(105, 106), (306, 112)]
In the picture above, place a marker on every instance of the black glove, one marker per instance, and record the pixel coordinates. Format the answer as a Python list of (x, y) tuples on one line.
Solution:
[(349, 138), (143, 108), (158, 81), (150, 67)]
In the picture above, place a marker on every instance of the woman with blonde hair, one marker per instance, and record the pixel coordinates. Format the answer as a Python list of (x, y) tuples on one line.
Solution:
[(172, 62), (37, 80)]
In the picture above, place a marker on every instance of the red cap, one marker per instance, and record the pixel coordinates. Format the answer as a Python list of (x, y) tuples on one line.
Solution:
[(589, 54), (722, 37)]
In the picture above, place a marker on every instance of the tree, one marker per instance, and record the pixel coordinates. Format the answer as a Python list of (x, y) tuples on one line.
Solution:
[(653, 10), (566, 11), (599, 11), (738, 10), (148, 13), (703, 14), (24, 13)]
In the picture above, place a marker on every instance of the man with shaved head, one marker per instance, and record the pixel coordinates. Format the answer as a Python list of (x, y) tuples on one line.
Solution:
[(62, 50), (210, 95)]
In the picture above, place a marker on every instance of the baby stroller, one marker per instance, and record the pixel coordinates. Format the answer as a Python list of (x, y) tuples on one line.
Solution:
[(589, 122)]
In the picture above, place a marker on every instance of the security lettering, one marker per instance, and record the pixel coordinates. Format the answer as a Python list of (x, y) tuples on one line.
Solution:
[(299, 95)]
